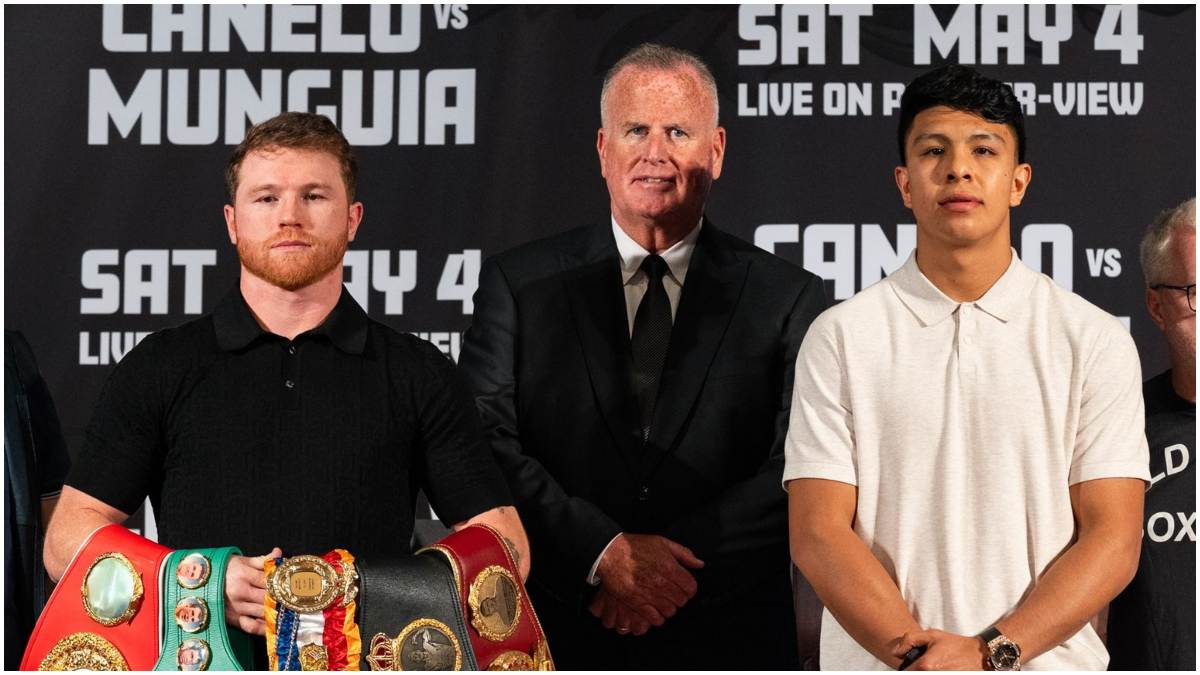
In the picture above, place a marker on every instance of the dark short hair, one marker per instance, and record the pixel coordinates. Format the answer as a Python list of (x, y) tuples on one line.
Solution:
[(300, 131), (961, 88)]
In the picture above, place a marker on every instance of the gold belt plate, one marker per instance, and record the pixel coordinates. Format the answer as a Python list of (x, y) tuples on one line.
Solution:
[(495, 602), (424, 644), (306, 584), (83, 651)]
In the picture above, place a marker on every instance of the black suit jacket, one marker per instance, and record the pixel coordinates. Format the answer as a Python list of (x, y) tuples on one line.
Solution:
[(548, 359)]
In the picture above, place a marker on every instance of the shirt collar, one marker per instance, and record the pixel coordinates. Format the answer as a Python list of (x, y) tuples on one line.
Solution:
[(345, 326), (677, 256), (931, 306)]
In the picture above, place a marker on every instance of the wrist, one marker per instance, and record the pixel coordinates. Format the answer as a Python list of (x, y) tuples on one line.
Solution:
[(1000, 651)]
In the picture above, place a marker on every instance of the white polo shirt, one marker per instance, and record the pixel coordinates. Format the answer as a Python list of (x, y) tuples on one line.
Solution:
[(962, 425)]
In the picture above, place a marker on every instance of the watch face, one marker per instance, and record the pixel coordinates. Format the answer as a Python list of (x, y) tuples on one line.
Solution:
[(1005, 656)]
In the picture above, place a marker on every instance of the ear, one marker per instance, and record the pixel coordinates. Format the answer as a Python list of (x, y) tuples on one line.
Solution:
[(600, 139), (1154, 308), (231, 224), (718, 152), (1020, 182), (903, 185), (354, 220)]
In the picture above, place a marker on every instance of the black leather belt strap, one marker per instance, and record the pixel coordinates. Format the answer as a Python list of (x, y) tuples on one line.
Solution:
[(413, 594)]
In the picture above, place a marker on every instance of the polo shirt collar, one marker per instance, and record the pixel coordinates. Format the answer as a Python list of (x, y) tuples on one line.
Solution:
[(932, 306), (345, 326)]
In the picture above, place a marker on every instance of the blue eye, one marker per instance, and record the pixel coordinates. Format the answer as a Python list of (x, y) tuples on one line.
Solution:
[(678, 133), (638, 131)]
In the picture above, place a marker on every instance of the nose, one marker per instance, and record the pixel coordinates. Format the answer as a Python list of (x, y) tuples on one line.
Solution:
[(958, 165), (289, 212), (656, 148)]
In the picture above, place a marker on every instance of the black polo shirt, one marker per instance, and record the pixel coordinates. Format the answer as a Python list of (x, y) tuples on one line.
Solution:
[(1152, 623), (243, 438)]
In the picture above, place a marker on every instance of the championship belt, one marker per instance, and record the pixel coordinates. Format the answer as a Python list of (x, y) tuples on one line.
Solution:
[(504, 630), (310, 605), (410, 607), (195, 636), (103, 615)]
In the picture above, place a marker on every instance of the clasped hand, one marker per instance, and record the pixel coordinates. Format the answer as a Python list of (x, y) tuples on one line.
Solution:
[(644, 580), (943, 651)]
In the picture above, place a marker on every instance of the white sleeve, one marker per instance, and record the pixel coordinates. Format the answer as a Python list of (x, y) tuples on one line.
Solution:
[(820, 437), (1110, 439), (592, 579)]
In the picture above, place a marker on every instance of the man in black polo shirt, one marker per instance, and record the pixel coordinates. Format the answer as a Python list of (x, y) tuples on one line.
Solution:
[(1152, 623), (286, 418)]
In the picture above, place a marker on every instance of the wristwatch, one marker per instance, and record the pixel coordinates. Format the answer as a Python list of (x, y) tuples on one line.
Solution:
[(1003, 654)]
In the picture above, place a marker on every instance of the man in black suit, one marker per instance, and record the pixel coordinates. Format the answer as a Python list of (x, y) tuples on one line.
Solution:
[(635, 379)]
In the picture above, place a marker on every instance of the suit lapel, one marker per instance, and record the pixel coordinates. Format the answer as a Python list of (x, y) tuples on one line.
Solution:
[(710, 294), (598, 307)]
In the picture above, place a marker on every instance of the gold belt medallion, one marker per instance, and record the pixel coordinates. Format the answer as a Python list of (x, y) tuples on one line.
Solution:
[(306, 584), (83, 651), (112, 589), (314, 657), (512, 661), (495, 602), (424, 644)]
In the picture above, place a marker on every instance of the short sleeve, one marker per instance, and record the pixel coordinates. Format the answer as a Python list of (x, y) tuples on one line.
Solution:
[(1110, 441), (820, 438), (123, 447), (458, 472)]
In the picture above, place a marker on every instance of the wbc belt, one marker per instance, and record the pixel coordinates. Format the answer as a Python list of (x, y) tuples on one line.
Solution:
[(309, 612), (103, 615), (504, 630), (195, 636), (410, 608)]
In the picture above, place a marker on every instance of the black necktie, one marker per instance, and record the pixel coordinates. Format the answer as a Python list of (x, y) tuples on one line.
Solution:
[(651, 334)]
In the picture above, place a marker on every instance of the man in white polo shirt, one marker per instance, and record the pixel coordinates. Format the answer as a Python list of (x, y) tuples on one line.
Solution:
[(965, 459)]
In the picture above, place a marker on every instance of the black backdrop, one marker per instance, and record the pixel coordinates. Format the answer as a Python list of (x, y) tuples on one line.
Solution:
[(475, 128)]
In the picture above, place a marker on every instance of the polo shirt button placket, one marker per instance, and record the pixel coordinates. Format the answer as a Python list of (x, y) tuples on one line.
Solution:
[(291, 396), (966, 354)]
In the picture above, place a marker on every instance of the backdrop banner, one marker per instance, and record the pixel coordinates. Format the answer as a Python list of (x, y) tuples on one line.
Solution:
[(475, 127)]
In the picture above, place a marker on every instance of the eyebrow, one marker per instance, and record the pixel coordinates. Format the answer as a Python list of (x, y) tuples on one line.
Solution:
[(271, 186), (978, 136)]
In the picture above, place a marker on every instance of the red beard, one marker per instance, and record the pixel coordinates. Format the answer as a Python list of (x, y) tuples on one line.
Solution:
[(293, 269)]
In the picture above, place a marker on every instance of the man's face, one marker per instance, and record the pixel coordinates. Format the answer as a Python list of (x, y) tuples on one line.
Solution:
[(961, 177), (659, 151), (189, 614), (292, 220), (1168, 307), (192, 570), (190, 657)]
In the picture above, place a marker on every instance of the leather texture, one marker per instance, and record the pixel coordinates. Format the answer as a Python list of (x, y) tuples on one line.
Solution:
[(137, 638), (230, 648), (469, 552), (398, 591)]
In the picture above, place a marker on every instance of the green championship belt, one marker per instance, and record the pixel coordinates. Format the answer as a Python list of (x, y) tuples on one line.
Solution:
[(195, 636)]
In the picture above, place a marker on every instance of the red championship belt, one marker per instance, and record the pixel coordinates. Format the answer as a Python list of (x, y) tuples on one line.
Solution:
[(104, 613), (504, 630)]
